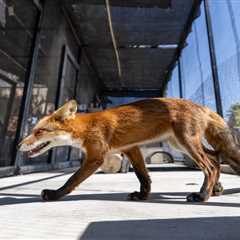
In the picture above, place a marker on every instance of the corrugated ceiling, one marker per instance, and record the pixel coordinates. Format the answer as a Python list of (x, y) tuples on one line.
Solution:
[(149, 23)]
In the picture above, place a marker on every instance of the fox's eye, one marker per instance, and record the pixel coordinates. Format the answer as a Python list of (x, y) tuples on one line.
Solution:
[(39, 132)]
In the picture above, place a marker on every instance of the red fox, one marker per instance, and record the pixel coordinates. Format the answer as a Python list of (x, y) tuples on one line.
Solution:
[(182, 123)]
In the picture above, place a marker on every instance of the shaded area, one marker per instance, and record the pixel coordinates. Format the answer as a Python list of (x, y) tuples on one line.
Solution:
[(216, 228), (132, 3), (70, 171), (158, 167), (158, 198), (32, 182)]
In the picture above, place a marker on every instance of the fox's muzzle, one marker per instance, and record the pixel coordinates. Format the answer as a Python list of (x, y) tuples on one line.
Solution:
[(25, 144)]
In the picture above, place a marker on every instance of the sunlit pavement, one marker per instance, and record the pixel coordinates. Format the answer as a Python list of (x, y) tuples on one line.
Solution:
[(98, 209)]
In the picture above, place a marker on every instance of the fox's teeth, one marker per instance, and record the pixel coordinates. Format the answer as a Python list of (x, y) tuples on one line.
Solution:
[(38, 148)]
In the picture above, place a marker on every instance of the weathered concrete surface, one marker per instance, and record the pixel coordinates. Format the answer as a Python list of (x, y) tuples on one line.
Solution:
[(98, 209)]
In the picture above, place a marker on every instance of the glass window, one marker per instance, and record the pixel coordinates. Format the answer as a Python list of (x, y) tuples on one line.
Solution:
[(17, 26), (197, 82), (69, 79), (56, 36)]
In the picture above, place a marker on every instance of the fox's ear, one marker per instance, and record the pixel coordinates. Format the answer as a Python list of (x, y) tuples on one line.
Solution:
[(68, 110)]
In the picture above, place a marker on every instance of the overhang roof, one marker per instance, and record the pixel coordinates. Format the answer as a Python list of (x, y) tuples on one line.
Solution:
[(149, 36)]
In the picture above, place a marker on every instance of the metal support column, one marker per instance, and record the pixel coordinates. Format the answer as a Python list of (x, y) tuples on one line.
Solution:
[(180, 78), (213, 58), (27, 91), (76, 88)]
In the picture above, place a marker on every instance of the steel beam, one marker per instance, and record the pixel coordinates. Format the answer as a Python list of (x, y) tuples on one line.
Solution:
[(180, 79), (213, 59), (133, 3), (132, 93)]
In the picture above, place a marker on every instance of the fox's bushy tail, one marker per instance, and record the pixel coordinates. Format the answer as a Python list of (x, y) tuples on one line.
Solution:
[(219, 135)]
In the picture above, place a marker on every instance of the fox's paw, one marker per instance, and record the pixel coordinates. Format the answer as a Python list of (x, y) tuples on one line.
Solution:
[(217, 189), (197, 197), (138, 196), (49, 195)]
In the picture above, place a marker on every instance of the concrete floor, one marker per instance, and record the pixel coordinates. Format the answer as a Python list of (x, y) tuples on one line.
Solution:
[(98, 209)]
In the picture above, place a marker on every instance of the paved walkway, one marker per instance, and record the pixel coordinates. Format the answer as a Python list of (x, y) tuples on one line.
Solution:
[(98, 209)]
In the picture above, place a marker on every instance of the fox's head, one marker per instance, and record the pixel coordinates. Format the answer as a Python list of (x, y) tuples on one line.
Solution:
[(50, 131)]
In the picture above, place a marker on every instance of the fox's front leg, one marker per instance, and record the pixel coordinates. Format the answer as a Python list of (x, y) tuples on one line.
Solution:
[(89, 166), (137, 161)]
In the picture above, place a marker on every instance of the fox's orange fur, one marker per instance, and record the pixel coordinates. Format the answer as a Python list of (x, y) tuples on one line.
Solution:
[(181, 122)]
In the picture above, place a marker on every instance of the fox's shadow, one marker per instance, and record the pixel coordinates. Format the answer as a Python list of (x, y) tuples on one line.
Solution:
[(157, 197)]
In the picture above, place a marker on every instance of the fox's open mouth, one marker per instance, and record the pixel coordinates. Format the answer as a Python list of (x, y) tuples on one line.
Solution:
[(38, 148)]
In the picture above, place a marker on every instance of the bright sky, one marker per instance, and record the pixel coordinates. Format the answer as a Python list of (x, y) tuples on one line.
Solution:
[(195, 59)]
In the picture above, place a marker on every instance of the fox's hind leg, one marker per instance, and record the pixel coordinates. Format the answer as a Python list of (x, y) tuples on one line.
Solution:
[(214, 157), (191, 142), (217, 187), (135, 157)]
